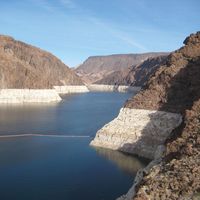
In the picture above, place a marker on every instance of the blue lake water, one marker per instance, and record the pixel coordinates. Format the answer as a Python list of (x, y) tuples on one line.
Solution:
[(62, 168)]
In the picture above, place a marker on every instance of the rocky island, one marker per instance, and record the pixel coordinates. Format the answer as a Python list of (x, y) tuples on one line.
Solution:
[(162, 123)]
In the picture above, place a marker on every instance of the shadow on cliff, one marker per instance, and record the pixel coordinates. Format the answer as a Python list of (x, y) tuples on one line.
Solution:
[(177, 96)]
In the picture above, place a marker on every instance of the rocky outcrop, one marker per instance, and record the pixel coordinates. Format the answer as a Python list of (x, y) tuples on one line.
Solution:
[(136, 75), (137, 131), (98, 67), (112, 88), (174, 88), (24, 66), (176, 174), (28, 96)]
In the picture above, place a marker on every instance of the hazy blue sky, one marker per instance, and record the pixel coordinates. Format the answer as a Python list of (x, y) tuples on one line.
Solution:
[(76, 29)]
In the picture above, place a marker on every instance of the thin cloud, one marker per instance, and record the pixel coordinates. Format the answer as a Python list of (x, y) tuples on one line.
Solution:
[(118, 34), (50, 7), (68, 3), (130, 41), (44, 4)]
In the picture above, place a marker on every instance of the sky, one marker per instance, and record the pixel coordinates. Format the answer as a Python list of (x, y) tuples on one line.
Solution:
[(76, 29)]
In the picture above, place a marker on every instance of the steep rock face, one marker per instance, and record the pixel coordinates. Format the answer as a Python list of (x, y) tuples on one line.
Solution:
[(176, 88), (25, 66), (137, 131), (136, 75), (177, 175), (116, 78), (98, 67), (176, 85)]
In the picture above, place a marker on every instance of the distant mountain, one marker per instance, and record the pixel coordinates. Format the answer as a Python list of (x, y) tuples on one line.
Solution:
[(136, 75), (25, 66), (98, 67)]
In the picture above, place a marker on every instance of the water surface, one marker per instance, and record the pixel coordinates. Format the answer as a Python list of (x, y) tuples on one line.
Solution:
[(61, 168)]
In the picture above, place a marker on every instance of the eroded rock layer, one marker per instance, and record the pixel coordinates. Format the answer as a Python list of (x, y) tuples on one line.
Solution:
[(137, 131), (67, 89), (176, 176), (112, 88), (28, 96)]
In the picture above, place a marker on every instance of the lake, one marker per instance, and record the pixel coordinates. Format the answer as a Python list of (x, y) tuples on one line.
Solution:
[(53, 166)]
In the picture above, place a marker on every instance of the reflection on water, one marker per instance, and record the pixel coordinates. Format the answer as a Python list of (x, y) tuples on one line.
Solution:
[(125, 162), (21, 118)]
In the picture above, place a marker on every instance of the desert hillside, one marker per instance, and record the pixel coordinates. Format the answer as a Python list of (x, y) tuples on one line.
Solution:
[(25, 66), (96, 68), (135, 75)]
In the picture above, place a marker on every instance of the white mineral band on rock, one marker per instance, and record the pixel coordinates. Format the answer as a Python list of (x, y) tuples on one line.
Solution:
[(28, 96), (137, 131), (112, 88), (66, 89)]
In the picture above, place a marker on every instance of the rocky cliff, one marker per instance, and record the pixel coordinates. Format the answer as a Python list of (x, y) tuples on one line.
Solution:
[(136, 75), (176, 176), (175, 86), (25, 66), (170, 101), (98, 67)]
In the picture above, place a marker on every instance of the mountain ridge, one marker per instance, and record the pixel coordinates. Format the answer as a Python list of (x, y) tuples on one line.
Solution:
[(97, 67), (136, 75)]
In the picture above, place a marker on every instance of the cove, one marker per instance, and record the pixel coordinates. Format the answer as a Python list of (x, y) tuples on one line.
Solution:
[(41, 166)]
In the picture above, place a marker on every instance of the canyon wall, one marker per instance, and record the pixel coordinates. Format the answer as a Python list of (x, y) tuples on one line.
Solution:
[(175, 175), (135, 75), (137, 131), (96, 68)]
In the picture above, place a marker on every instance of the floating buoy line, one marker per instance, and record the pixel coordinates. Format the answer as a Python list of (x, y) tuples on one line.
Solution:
[(44, 135)]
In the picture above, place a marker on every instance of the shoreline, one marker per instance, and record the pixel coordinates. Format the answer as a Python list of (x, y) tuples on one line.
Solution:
[(112, 88), (17, 96), (137, 131), (20, 96), (71, 89)]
